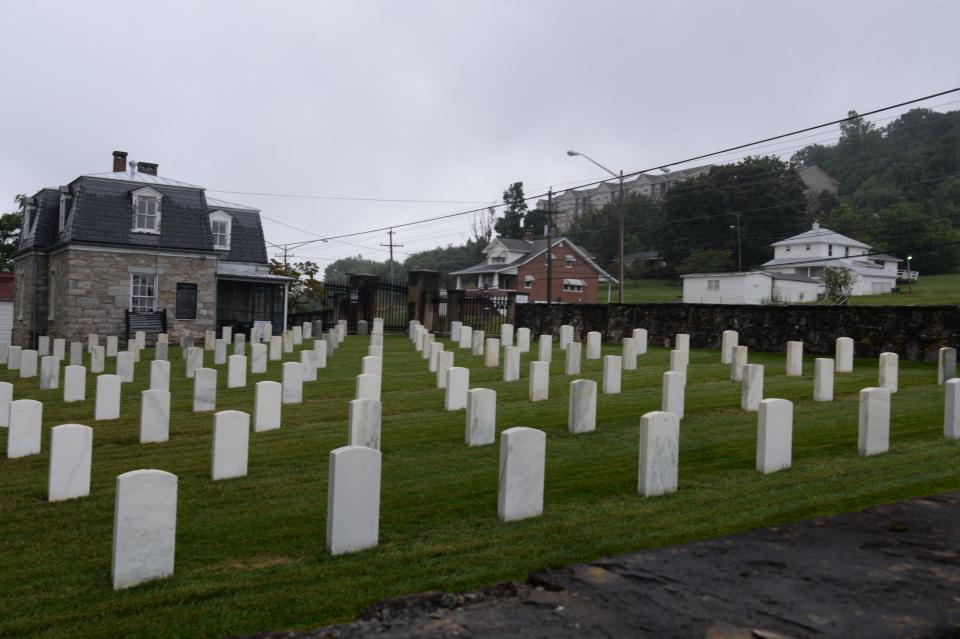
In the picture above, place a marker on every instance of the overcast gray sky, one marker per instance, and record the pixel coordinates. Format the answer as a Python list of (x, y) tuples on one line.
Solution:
[(435, 100)]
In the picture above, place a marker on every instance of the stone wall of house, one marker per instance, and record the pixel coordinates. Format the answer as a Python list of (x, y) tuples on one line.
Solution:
[(25, 269), (914, 332), (97, 291)]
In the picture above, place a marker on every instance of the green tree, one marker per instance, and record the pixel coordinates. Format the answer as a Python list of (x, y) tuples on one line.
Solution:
[(305, 292), (709, 261), (838, 282), (908, 229), (763, 195), (10, 227), (446, 259), (598, 230), (358, 264), (514, 210)]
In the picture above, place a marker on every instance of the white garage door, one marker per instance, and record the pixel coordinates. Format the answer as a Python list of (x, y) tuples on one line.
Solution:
[(6, 321)]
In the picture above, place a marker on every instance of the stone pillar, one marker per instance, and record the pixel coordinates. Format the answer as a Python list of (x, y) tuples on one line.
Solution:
[(365, 283), (422, 288), (454, 302)]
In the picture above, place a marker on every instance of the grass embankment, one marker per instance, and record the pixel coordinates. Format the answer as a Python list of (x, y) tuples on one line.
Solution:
[(928, 290), (250, 551)]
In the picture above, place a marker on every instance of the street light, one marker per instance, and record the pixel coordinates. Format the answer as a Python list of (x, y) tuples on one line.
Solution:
[(572, 153), (909, 276)]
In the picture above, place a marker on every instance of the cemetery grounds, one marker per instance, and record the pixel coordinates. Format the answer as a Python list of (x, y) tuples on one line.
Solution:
[(251, 551)]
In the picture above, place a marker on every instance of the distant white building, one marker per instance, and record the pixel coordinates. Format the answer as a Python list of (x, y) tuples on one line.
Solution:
[(570, 204), (795, 274), (751, 287), (811, 251)]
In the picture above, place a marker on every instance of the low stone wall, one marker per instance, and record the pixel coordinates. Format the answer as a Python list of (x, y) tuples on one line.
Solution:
[(913, 332)]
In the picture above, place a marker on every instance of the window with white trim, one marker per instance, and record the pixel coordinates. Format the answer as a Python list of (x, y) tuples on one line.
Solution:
[(64, 209), (528, 281), (146, 211), (713, 285), (143, 292), (220, 226), (574, 286), (568, 261)]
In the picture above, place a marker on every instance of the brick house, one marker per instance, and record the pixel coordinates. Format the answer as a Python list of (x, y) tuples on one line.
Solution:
[(129, 243), (521, 265)]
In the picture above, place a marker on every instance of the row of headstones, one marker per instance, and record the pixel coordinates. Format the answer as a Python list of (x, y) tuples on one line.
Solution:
[(145, 515), (24, 417)]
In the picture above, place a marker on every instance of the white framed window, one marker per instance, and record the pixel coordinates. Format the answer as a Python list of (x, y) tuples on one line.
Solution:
[(528, 281), (65, 200), (143, 292), (829, 250), (221, 225), (146, 210), (574, 286), (51, 293), (713, 285), (568, 261)]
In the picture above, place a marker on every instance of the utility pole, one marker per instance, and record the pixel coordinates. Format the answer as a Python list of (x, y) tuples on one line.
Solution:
[(391, 245), (549, 247), (622, 283), (285, 250)]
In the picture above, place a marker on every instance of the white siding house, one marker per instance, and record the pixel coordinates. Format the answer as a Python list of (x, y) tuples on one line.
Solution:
[(753, 287), (810, 252)]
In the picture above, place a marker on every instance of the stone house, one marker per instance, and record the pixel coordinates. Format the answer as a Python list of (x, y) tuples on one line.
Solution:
[(109, 250), (521, 266)]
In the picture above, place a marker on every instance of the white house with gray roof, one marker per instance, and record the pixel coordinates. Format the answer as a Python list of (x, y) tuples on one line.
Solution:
[(112, 250)]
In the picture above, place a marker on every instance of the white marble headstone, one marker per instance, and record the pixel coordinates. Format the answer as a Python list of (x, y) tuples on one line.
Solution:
[(466, 337), (144, 527), (640, 338), (582, 407), (60, 348), (24, 432), (276, 348), (612, 373), (364, 423), (28, 364), (353, 499), (125, 366), (728, 340), (292, 378), (889, 371), (219, 352), (204, 389), (823, 379), (844, 355), (194, 360), (6, 396), (481, 417), (320, 348), (237, 371), (258, 358), (951, 409), (160, 374), (523, 339), (97, 359), (545, 348), (594, 345), (774, 435), (444, 362), (14, 355), (43, 345), (308, 360), (372, 365), (231, 438), (49, 372), (571, 365), (739, 361), (154, 416), (672, 396), (873, 434), (491, 352), (267, 406), (566, 336), (629, 354), (539, 381), (794, 359), (751, 390), (511, 364), (522, 463), (368, 386), (946, 364), (476, 347), (659, 453), (71, 453), (434, 356), (76, 353), (112, 345), (74, 384), (458, 383), (506, 335), (107, 404), (681, 342)]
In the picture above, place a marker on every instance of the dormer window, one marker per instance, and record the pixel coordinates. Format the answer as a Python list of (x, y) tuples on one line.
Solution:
[(146, 211), (220, 226), (65, 200)]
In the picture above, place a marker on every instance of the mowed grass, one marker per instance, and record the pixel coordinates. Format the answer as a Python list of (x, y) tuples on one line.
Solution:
[(251, 552), (929, 289)]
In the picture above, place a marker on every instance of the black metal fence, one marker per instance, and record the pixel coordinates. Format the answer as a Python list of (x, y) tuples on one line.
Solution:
[(483, 312), (389, 301)]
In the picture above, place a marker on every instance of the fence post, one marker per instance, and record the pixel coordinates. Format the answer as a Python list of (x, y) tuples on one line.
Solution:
[(423, 288), (454, 305), (366, 285), (511, 308)]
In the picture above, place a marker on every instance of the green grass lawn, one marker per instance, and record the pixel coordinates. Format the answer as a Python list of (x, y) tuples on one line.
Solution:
[(645, 292), (251, 552), (929, 289)]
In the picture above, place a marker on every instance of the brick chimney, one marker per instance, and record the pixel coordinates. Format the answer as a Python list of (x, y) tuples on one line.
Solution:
[(147, 167), (119, 161)]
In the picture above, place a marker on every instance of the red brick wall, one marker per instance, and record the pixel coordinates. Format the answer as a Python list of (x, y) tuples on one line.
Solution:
[(580, 270)]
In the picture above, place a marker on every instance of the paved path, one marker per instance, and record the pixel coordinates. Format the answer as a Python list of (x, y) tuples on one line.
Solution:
[(891, 571)]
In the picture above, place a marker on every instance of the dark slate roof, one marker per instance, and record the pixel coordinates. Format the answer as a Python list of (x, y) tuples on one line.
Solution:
[(102, 213), (102, 210), (522, 245), (246, 235), (44, 221)]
